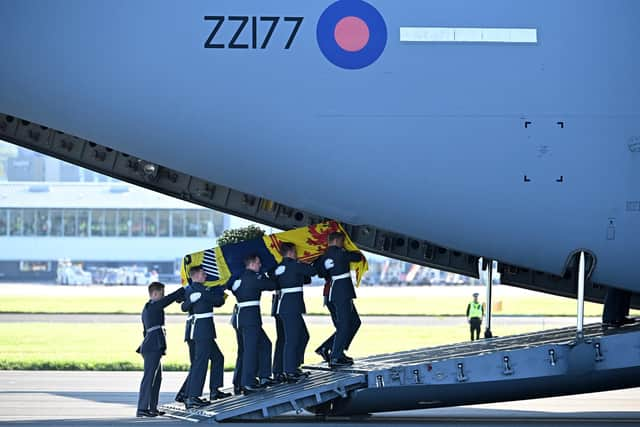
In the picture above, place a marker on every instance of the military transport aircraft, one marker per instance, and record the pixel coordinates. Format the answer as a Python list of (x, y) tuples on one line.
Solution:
[(437, 131)]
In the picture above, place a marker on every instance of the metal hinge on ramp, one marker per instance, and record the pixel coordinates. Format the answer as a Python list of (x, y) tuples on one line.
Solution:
[(321, 387)]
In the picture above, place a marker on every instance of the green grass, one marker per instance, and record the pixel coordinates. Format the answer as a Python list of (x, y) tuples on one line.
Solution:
[(543, 305), (68, 346)]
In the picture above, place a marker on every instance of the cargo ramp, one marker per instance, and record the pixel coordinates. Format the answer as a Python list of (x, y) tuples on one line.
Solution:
[(540, 364)]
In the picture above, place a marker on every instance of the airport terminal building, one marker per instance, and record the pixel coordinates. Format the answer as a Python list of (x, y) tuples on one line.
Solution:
[(43, 224), (62, 223)]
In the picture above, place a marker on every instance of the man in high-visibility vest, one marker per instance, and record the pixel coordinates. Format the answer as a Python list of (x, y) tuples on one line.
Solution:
[(475, 312)]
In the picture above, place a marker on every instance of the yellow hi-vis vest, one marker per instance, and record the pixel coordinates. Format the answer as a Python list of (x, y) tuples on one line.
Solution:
[(475, 310)]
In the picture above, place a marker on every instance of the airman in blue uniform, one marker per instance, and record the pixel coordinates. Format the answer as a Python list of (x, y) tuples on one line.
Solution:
[(201, 300), (335, 265), (153, 347), (237, 371), (290, 276), (324, 350), (184, 390), (256, 360), (617, 303), (278, 353)]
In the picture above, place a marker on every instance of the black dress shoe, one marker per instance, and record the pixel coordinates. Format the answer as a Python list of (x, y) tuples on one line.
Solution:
[(280, 378), (158, 413), (194, 403), (237, 390), (268, 382), (145, 413), (347, 358), (295, 377), (628, 321), (203, 402), (217, 395), (306, 374), (180, 398), (335, 363), (340, 363), (250, 389), (325, 353), (609, 325)]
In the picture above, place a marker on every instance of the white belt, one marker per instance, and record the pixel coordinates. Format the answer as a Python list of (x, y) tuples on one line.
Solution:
[(193, 319), (283, 292), (338, 277), (202, 315), (245, 305), (189, 317), (248, 304)]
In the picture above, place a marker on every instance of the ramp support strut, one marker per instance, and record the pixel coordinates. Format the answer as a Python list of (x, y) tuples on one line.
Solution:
[(488, 264), (581, 280)]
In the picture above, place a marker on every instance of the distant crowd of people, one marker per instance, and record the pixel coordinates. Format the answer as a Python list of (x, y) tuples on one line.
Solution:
[(256, 367)]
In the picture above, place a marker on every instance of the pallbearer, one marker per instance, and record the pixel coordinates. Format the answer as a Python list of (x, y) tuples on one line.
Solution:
[(256, 358), (201, 300), (237, 371), (324, 350), (291, 275), (278, 352), (184, 390), (617, 303), (153, 347), (335, 265)]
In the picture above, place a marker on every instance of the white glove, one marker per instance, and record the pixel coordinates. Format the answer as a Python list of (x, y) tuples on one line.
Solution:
[(194, 297)]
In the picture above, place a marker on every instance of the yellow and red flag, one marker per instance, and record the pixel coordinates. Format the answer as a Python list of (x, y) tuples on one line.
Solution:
[(224, 262)]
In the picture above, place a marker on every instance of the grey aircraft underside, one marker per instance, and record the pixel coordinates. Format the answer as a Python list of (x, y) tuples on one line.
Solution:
[(437, 131), (506, 129)]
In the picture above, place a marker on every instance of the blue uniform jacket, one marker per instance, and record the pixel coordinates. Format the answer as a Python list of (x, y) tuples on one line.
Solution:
[(153, 315), (187, 326), (335, 262), (211, 296), (291, 273), (249, 287)]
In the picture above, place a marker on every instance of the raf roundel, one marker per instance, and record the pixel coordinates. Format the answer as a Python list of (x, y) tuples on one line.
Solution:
[(351, 34)]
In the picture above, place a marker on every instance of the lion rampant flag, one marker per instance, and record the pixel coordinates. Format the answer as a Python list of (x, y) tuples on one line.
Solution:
[(224, 262)]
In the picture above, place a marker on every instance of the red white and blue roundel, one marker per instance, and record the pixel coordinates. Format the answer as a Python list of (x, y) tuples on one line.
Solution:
[(351, 34)]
